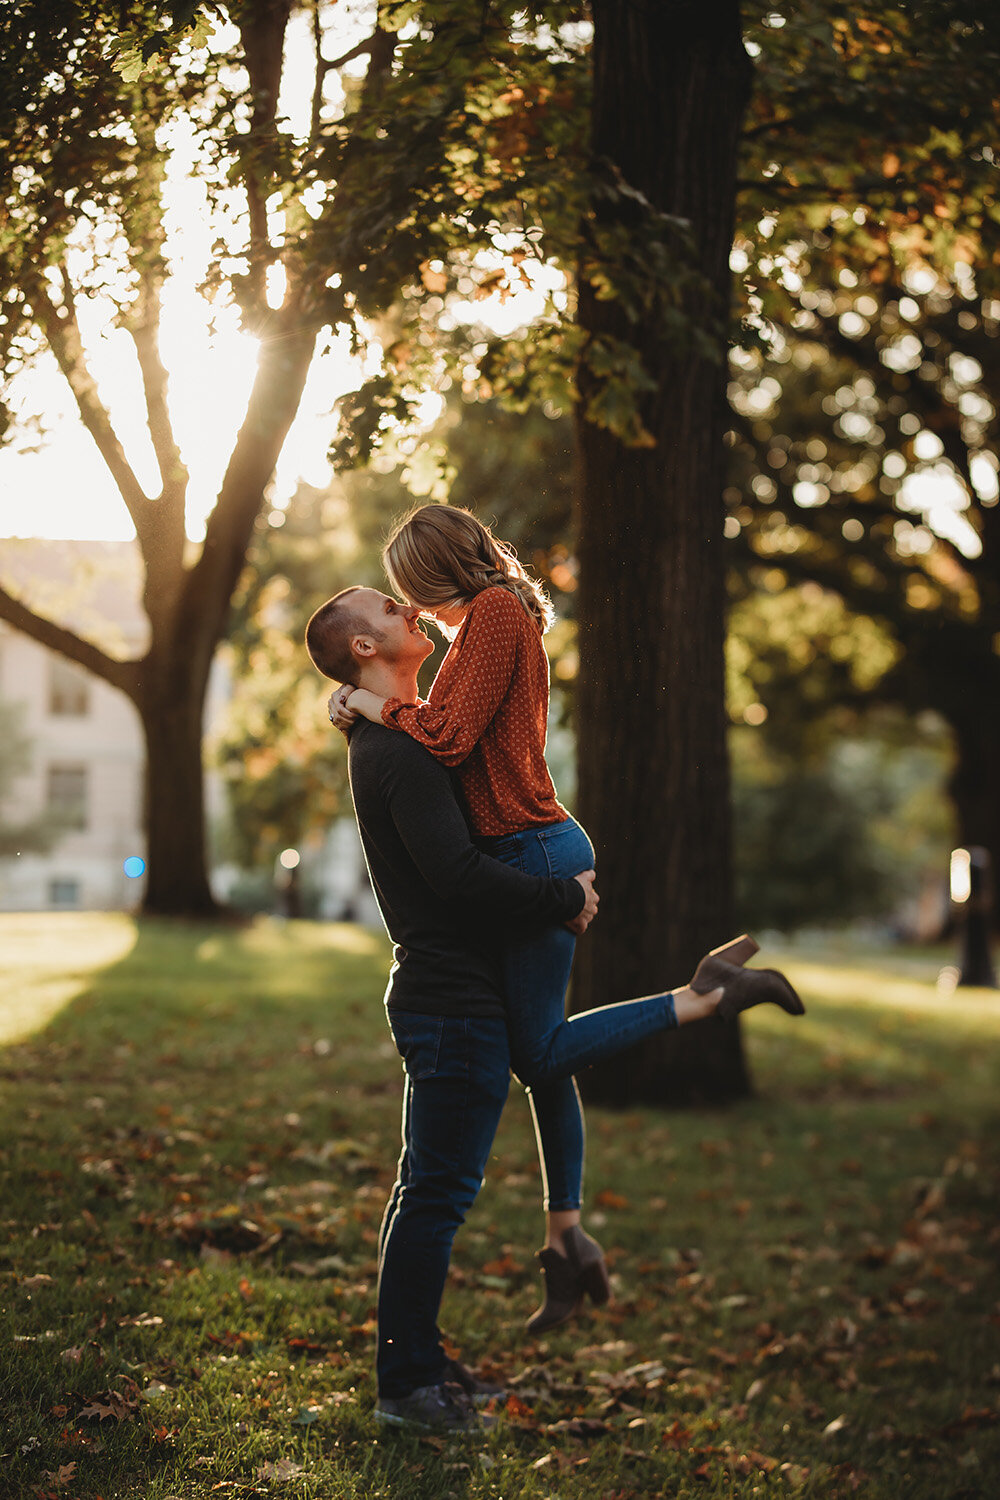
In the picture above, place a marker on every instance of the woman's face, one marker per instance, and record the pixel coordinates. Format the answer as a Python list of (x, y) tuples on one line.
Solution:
[(449, 615)]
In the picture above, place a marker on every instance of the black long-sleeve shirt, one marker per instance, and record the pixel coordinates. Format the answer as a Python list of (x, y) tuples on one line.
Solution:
[(446, 905)]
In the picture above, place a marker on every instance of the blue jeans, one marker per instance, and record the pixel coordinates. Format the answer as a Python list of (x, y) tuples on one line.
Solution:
[(457, 1075), (547, 1049)]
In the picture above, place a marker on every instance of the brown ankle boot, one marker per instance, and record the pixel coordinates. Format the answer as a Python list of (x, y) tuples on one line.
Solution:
[(563, 1291), (588, 1258), (568, 1278), (742, 988)]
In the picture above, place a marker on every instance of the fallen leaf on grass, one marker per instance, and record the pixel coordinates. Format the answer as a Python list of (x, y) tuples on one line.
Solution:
[(70, 1437), (239, 1343), (305, 1346), (753, 1463), (504, 1265), (327, 1265), (582, 1427), (837, 1425), (72, 1356), (63, 1475), (971, 1417), (607, 1198), (280, 1470), (677, 1436), (518, 1409), (559, 1461), (121, 1405), (35, 1281)]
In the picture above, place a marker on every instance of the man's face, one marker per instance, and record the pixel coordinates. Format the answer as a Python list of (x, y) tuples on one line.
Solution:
[(395, 629)]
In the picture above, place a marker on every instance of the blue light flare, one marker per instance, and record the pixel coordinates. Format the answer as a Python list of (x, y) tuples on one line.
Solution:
[(134, 867)]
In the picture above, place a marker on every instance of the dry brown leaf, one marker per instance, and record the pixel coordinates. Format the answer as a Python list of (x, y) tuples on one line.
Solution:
[(606, 1198), (281, 1469), (63, 1475)]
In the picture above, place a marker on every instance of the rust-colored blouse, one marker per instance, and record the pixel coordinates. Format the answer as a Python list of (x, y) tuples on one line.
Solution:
[(487, 714)]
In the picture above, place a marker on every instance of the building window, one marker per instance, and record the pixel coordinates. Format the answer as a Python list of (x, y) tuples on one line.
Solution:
[(64, 892), (67, 795), (69, 690)]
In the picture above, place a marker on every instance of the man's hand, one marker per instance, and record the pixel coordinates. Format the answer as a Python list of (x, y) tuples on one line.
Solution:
[(341, 717), (583, 919)]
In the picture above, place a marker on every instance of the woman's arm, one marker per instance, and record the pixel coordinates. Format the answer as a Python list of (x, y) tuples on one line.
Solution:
[(478, 673), (368, 705)]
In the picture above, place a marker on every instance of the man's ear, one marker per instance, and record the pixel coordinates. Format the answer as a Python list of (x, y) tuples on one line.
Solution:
[(363, 645)]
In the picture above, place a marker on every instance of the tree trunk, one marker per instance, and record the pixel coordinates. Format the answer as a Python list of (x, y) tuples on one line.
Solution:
[(171, 708), (951, 667), (670, 86), (975, 781)]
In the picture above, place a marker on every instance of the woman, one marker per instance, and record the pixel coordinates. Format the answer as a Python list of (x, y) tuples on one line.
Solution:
[(487, 717)]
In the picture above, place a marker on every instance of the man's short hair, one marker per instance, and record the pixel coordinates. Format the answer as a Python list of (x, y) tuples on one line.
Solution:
[(330, 632)]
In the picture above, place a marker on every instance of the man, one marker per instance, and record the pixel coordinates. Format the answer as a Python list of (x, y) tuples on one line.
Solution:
[(443, 903)]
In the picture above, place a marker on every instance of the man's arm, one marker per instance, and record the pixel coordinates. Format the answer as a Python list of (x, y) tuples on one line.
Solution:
[(422, 803)]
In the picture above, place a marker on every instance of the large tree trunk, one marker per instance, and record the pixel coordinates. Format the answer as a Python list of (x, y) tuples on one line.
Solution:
[(670, 86), (171, 709), (951, 667), (975, 780)]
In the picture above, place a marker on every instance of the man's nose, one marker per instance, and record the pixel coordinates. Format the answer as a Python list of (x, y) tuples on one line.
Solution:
[(412, 613)]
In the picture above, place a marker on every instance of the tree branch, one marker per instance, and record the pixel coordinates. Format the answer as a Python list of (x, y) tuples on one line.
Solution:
[(62, 330), (120, 674), (319, 74), (286, 355), (262, 31), (324, 65), (144, 328), (368, 45)]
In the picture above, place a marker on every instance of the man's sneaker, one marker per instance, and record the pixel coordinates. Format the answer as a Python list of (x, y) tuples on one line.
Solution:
[(432, 1408), (479, 1391)]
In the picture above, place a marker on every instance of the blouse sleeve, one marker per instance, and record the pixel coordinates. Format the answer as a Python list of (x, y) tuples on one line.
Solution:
[(479, 676)]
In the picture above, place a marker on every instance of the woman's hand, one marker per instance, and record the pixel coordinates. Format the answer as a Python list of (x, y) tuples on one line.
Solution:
[(342, 717)]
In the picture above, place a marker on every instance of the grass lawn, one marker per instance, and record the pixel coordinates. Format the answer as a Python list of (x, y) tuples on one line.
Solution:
[(199, 1128)]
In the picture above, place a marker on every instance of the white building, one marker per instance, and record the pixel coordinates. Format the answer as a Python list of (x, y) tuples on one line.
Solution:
[(85, 738), (86, 743)]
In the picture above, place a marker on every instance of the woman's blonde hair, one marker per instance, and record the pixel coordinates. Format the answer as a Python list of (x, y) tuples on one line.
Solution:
[(440, 555)]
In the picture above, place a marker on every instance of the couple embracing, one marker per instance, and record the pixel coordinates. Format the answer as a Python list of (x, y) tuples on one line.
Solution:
[(484, 882)]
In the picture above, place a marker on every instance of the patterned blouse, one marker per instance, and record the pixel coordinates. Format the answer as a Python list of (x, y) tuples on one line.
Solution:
[(487, 714)]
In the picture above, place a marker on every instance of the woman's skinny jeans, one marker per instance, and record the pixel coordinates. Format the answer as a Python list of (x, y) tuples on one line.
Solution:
[(547, 1049)]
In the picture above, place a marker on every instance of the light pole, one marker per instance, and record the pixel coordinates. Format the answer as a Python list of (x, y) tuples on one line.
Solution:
[(972, 898), (286, 882)]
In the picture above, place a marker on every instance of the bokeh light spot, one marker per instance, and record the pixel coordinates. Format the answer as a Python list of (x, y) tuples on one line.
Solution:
[(134, 867)]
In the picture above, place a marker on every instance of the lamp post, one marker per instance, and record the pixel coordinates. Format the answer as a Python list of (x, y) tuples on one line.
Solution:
[(972, 898), (286, 882)]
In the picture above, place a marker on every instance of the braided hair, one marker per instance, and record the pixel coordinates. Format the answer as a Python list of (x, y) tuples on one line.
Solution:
[(440, 555)]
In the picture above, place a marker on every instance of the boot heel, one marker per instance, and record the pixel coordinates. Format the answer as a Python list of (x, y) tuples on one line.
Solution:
[(596, 1282), (588, 1258), (737, 951)]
